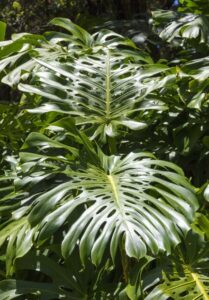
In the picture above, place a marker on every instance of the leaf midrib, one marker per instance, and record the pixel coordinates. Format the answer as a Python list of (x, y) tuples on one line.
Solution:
[(107, 85), (200, 286), (114, 189)]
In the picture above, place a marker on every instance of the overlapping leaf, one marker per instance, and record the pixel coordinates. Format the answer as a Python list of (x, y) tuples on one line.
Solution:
[(17, 54), (60, 279), (188, 26), (187, 275), (101, 90), (136, 199)]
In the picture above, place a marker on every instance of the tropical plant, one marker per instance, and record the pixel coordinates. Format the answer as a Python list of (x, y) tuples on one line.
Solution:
[(93, 204), (185, 275)]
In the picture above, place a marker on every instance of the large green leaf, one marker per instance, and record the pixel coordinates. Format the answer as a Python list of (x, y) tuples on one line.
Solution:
[(186, 275), (136, 199), (17, 54), (102, 90), (100, 79)]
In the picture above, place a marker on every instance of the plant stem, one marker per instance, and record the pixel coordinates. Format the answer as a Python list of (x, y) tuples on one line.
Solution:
[(112, 145), (125, 263)]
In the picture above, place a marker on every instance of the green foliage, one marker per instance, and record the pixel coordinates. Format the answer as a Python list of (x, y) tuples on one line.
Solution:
[(34, 15), (187, 27), (93, 204), (2, 30), (185, 275), (194, 6)]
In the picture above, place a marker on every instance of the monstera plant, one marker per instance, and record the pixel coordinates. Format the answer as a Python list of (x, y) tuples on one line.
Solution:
[(92, 207)]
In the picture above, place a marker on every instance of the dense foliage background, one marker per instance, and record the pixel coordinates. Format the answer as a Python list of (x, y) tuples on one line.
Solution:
[(33, 16), (104, 139)]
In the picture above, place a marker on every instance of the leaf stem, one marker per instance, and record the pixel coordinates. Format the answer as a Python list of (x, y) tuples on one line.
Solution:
[(125, 264), (112, 145)]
